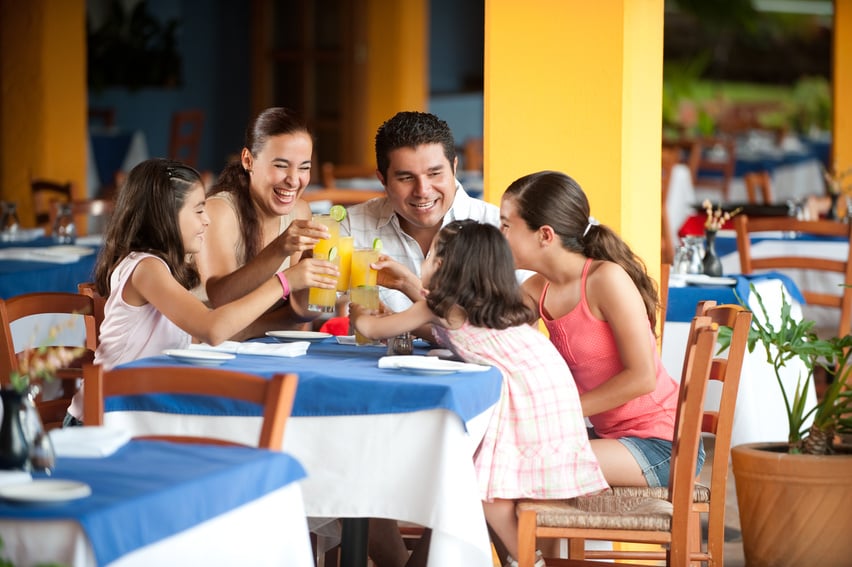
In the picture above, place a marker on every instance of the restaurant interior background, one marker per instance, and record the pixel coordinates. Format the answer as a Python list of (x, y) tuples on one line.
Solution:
[(715, 52)]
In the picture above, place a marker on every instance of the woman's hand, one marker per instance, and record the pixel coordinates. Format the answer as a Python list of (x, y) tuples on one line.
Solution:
[(300, 236), (394, 275), (310, 272)]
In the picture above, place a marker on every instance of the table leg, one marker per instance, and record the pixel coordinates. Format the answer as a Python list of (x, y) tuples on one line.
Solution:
[(353, 542)]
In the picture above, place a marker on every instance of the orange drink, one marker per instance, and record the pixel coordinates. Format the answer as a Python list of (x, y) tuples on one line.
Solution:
[(367, 296), (344, 251), (362, 273), (323, 300)]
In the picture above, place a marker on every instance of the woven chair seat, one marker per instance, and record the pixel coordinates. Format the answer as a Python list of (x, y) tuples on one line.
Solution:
[(602, 511), (701, 493)]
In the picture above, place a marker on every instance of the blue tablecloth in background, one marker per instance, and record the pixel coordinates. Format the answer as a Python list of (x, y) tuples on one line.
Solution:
[(26, 276), (150, 490)]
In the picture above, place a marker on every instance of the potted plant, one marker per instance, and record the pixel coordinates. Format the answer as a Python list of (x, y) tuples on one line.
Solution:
[(795, 498)]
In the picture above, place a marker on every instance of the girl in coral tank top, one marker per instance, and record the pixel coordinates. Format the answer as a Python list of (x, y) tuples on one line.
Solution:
[(599, 305)]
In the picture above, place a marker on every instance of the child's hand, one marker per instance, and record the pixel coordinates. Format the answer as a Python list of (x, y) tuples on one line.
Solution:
[(300, 236), (393, 275), (310, 272)]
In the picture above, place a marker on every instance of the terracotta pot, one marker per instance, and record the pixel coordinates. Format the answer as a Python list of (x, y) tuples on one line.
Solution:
[(794, 509)]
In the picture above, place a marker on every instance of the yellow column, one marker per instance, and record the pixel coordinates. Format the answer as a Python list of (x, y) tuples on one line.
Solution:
[(397, 63), (43, 103), (842, 85), (576, 86)]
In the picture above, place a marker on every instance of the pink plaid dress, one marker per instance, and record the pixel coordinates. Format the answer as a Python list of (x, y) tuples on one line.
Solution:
[(536, 445)]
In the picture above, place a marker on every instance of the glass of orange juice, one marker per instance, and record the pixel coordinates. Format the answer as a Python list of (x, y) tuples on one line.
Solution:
[(345, 244), (362, 273), (368, 296), (319, 299)]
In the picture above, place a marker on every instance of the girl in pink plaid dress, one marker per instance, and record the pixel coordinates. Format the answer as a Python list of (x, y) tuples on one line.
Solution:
[(536, 445)]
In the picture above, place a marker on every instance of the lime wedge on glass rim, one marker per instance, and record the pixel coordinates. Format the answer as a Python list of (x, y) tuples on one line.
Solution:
[(377, 244), (337, 212)]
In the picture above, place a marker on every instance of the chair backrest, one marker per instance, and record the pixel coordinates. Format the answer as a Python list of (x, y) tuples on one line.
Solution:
[(331, 172), (720, 423), (90, 216), (473, 154), (716, 173), (103, 116), (841, 298), (185, 136), (44, 193), (98, 305), (759, 182), (52, 411), (275, 395)]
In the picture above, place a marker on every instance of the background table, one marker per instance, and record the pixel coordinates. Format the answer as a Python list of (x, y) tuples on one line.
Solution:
[(157, 503), (111, 150), (375, 442), (759, 415)]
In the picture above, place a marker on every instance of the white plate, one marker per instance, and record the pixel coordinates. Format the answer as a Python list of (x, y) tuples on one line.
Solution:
[(60, 249), (429, 365), (45, 490), (287, 336), (199, 357)]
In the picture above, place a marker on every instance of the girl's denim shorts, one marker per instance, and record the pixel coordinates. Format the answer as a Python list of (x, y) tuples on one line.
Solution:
[(655, 456)]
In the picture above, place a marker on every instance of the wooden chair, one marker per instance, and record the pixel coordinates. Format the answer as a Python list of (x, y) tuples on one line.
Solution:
[(331, 172), (840, 298), (44, 193), (473, 154), (719, 424), (612, 517), (102, 116), (52, 410), (185, 136), (98, 305), (275, 395), (90, 216), (716, 174), (759, 182)]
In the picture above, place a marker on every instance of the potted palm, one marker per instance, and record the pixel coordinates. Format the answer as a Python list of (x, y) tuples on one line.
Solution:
[(795, 498)]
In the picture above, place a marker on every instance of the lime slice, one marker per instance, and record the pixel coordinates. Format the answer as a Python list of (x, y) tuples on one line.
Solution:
[(332, 253), (377, 244), (337, 212)]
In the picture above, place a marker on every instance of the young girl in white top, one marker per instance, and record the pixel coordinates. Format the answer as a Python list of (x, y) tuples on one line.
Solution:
[(536, 445), (146, 270)]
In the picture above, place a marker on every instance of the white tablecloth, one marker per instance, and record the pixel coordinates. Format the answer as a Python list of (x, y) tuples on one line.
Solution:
[(415, 466), (270, 531), (759, 414)]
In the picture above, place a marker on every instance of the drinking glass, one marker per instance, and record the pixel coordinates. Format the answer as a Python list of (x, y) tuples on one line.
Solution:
[(319, 299), (344, 251), (362, 273), (367, 296)]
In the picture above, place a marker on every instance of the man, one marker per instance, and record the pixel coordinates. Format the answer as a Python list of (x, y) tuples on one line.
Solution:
[(416, 163)]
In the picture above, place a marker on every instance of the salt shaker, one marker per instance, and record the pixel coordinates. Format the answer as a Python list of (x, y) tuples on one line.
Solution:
[(400, 344)]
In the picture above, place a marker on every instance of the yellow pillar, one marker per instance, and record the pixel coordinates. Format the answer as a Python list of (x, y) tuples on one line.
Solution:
[(397, 63), (576, 86), (43, 103), (842, 85)]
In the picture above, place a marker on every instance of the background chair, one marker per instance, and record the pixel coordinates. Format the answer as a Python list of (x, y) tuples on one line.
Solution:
[(44, 193), (185, 136), (90, 216), (839, 297), (331, 172), (98, 304), (275, 395), (716, 171), (759, 182), (53, 401), (610, 517)]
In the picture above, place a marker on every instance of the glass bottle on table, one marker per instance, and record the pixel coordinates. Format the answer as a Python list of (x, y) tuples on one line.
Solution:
[(64, 231), (319, 299)]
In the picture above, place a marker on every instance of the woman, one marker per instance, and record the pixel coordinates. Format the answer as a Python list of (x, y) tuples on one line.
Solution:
[(258, 223)]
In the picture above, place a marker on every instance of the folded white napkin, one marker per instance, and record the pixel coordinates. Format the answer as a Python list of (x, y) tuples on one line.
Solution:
[(88, 441), (14, 477), (288, 350), (415, 362)]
